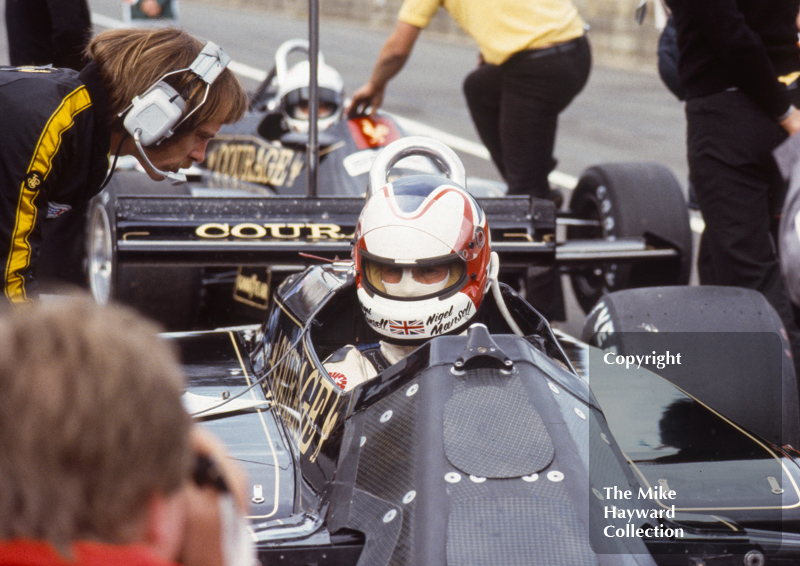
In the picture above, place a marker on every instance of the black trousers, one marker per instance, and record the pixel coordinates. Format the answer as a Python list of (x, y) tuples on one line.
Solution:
[(740, 192), (515, 108)]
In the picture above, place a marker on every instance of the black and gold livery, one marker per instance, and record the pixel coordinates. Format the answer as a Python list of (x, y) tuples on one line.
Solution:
[(487, 447), (55, 141)]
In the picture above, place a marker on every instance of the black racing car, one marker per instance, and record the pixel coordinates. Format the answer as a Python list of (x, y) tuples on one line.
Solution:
[(491, 447), (664, 436)]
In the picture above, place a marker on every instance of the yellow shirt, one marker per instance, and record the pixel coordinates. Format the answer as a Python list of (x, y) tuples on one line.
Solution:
[(503, 27)]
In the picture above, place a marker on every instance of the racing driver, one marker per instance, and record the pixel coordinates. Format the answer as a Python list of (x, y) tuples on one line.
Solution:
[(294, 97), (59, 127), (423, 261)]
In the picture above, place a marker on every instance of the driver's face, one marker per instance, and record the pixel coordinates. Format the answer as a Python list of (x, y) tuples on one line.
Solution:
[(423, 275), (302, 111), (414, 281)]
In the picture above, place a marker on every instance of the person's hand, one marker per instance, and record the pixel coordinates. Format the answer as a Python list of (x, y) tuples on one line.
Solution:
[(792, 123), (203, 543), (367, 97)]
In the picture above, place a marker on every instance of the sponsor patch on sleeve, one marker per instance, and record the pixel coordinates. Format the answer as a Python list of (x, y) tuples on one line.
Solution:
[(54, 210), (339, 378)]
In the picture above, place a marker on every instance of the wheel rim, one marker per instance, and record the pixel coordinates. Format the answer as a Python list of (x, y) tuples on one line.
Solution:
[(100, 254), (591, 282)]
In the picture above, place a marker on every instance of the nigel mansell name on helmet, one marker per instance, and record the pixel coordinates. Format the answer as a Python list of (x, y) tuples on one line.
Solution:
[(272, 230), (439, 323)]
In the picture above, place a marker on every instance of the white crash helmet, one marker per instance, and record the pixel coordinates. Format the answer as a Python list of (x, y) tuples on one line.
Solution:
[(422, 256), (293, 93)]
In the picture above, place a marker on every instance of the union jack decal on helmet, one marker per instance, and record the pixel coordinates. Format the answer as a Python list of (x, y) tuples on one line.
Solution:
[(406, 327)]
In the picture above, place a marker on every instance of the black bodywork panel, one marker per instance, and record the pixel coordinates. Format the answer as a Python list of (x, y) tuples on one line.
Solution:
[(495, 462)]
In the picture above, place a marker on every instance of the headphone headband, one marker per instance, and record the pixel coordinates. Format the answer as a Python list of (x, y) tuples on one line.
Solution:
[(210, 63)]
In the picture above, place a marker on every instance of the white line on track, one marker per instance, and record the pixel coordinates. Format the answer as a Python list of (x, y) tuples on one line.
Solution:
[(558, 178), (107, 22)]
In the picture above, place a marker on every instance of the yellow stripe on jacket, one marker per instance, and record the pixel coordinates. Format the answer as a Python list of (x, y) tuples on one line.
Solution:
[(19, 256)]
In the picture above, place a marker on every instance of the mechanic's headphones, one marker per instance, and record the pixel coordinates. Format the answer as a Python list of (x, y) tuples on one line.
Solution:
[(154, 115)]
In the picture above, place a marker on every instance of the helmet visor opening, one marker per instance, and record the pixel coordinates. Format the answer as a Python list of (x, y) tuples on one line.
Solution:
[(297, 103), (300, 111), (413, 281)]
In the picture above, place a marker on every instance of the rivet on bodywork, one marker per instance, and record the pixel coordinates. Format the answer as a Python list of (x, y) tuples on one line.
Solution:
[(531, 478), (476, 479), (412, 390), (409, 497), (452, 477), (390, 515), (363, 441), (580, 413), (597, 493), (554, 389), (258, 494), (555, 476), (386, 416), (605, 438)]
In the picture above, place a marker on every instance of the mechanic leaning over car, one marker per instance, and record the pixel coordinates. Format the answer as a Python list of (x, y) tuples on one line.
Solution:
[(423, 262), (534, 59), (59, 127), (53, 32), (101, 464), (739, 63)]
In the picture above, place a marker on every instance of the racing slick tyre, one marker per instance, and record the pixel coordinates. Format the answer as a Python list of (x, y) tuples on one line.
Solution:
[(746, 378), (625, 200), (169, 295)]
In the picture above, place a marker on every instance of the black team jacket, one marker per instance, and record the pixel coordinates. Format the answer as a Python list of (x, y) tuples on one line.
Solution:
[(742, 44), (54, 144), (42, 32)]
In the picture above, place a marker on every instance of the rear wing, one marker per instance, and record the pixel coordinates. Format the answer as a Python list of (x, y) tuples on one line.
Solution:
[(284, 231)]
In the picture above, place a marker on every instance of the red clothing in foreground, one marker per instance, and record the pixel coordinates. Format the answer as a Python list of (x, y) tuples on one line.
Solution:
[(35, 553)]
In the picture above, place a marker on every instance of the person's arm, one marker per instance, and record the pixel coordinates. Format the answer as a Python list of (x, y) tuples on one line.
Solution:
[(792, 123), (392, 58), (205, 542), (743, 53), (348, 367)]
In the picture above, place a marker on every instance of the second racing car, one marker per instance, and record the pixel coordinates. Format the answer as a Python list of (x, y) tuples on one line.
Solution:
[(210, 251)]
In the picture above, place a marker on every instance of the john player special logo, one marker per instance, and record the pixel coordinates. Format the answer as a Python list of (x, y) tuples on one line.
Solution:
[(33, 180)]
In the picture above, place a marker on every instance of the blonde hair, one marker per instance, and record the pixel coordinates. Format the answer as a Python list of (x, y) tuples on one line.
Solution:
[(91, 422), (131, 60)]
